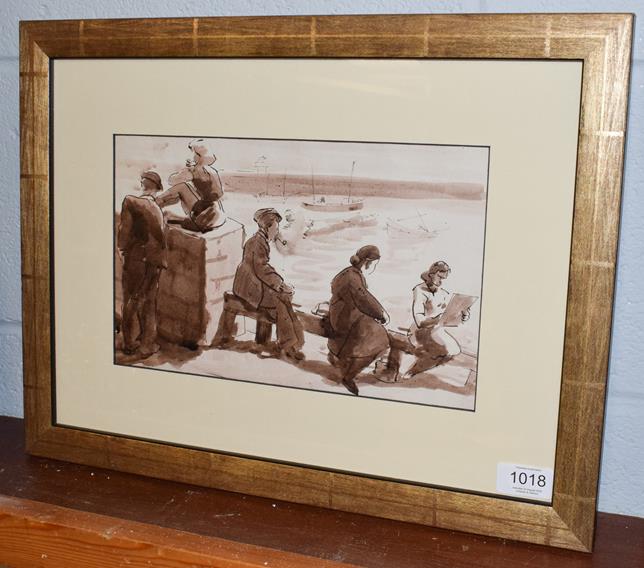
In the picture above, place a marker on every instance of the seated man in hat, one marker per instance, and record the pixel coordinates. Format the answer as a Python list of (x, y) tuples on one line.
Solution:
[(259, 284), (142, 244), (199, 190), (434, 345)]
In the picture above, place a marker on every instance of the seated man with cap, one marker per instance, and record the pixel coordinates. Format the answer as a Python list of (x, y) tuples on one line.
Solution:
[(260, 285), (142, 244)]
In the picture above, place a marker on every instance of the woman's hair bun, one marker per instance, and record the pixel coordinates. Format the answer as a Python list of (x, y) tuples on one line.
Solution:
[(367, 252)]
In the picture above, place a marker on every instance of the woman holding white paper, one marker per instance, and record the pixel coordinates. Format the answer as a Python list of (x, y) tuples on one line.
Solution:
[(434, 345)]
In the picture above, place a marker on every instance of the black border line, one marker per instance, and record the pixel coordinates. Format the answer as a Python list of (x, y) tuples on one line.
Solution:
[(115, 135), (478, 346), (113, 314), (301, 140), (52, 279), (314, 57)]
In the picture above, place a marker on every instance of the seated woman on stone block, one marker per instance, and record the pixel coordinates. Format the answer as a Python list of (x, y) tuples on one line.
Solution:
[(199, 190)]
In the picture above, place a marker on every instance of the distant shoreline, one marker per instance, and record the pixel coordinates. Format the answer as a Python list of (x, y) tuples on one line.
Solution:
[(273, 185)]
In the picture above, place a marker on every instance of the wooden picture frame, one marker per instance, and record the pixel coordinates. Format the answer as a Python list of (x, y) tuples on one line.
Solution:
[(601, 41)]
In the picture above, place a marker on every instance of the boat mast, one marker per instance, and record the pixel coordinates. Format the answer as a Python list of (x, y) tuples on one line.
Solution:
[(422, 222), (284, 186), (353, 165), (266, 176), (313, 184)]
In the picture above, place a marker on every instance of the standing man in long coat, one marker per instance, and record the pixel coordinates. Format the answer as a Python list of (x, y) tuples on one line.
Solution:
[(142, 243), (357, 319), (259, 284)]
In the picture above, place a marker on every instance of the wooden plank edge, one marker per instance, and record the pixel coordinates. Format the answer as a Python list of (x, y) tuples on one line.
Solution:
[(34, 534)]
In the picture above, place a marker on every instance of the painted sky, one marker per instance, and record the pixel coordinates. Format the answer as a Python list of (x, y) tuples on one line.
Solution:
[(409, 162)]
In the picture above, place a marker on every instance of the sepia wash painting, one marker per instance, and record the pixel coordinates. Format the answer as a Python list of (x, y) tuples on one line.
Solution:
[(348, 268)]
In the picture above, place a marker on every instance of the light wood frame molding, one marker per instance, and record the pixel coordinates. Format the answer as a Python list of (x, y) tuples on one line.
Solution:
[(601, 41)]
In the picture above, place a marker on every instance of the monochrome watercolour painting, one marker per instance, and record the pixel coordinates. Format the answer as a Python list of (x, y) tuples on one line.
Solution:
[(347, 268)]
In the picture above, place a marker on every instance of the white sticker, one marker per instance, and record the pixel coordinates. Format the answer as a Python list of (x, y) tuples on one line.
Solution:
[(524, 481)]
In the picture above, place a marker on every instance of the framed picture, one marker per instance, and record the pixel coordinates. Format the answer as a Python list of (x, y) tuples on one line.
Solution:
[(359, 262)]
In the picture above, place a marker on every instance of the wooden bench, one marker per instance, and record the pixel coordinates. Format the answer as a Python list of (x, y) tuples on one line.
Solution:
[(235, 306), (312, 323)]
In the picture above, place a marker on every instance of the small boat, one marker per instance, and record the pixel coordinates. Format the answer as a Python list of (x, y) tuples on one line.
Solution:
[(323, 205), (334, 206), (318, 227), (395, 228)]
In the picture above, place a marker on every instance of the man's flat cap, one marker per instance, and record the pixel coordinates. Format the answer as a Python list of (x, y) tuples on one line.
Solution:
[(262, 215)]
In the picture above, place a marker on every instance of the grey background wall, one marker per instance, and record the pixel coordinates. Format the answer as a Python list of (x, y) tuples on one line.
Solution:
[(622, 477)]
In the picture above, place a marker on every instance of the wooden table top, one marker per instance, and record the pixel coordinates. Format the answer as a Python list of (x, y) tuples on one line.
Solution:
[(51, 510)]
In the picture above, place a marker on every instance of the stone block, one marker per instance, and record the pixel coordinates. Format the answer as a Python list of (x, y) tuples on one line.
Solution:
[(201, 267)]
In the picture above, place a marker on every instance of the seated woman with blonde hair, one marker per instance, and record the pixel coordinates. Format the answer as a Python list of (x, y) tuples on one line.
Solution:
[(199, 190)]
